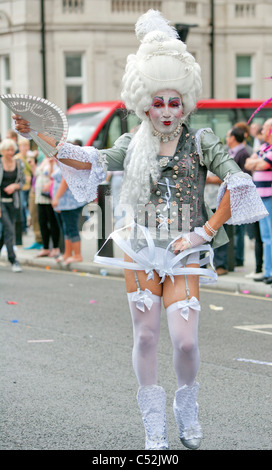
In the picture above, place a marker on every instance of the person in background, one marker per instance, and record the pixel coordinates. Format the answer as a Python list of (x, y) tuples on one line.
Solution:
[(49, 226), (253, 230), (259, 136), (11, 134), (247, 140), (77, 142), (64, 202), (11, 182), (33, 207), (23, 155), (255, 130), (260, 164), (210, 195), (236, 144)]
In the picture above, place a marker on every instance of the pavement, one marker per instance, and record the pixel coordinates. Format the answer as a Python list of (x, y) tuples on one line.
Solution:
[(235, 281)]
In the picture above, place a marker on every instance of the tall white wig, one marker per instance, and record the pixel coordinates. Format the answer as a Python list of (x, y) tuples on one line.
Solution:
[(161, 62)]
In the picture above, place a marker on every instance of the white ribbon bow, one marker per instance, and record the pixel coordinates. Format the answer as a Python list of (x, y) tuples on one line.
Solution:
[(162, 273), (150, 273), (143, 299), (184, 306), (164, 222)]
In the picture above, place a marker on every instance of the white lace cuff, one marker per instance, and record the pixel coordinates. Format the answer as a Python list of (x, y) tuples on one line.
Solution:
[(202, 233), (82, 183), (246, 204)]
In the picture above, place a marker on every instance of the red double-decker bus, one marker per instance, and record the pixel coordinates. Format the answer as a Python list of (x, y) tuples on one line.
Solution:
[(221, 115), (100, 124)]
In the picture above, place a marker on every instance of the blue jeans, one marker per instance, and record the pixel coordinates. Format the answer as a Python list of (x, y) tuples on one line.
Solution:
[(239, 244), (8, 229), (70, 224), (221, 257), (266, 235)]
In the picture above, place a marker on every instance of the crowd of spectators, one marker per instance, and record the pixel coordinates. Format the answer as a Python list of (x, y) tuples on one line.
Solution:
[(35, 194)]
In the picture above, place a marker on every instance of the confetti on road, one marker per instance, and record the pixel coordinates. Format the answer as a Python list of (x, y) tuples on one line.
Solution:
[(214, 307)]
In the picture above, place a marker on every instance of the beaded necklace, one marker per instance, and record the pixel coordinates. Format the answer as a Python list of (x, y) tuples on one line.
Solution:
[(166, 137)]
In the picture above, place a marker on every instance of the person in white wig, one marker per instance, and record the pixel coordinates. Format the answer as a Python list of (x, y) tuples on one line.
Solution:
[(165, 164)]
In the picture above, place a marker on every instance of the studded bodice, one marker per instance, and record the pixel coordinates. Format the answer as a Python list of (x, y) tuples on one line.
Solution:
[(177, 198)]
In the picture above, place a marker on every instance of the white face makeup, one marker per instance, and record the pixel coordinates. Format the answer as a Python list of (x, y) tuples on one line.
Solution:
[(166, 111)]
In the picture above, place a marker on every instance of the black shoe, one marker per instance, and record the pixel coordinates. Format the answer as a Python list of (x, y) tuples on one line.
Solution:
[(268, 280), (239, 264), (261, 279)]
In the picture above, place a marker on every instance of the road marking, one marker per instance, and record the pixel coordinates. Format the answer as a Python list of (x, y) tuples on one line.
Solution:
[(40, 341), (256, 328), (254, 361)]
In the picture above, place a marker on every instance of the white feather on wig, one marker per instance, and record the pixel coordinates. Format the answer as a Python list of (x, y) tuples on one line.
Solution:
[(153, 20)]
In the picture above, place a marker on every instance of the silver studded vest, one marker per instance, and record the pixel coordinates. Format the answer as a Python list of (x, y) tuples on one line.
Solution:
[(177, 199)]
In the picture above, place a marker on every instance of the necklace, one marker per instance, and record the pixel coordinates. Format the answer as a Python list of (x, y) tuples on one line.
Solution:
[(167, 137)]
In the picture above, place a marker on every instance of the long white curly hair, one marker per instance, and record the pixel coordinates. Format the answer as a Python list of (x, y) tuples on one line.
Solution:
[(161, 62)]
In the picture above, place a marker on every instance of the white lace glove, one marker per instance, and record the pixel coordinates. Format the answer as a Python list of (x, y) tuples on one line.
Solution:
[(198, 237)]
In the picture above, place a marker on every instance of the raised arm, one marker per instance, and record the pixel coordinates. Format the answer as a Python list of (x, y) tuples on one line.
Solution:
[(22, 127)]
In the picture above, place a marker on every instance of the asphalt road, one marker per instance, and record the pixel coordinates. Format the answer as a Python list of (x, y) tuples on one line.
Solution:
[(67, 381)]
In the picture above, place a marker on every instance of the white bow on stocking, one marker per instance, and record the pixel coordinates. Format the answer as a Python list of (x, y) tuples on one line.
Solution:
[(184, 306), (143, 299)]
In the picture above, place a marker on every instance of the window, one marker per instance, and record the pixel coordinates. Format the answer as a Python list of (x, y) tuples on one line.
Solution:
[(74, 78), (244, 80), (245, 10), (73, 6), (134, 6), (190, 8), (219, 120), (243, 66)]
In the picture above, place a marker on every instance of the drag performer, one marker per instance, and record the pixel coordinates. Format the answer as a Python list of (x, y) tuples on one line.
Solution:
[(168, 238)]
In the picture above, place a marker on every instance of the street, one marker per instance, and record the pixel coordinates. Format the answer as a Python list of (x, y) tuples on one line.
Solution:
[(67, 379)]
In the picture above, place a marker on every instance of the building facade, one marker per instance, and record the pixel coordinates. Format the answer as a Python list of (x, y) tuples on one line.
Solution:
[(75, 50)]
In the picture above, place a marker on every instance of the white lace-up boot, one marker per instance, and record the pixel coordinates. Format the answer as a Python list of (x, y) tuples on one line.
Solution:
[(151, 400), (186, 414)]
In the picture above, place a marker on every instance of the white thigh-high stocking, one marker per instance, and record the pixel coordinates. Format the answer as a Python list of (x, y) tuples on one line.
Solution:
[(182, 320), (146, 330)]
